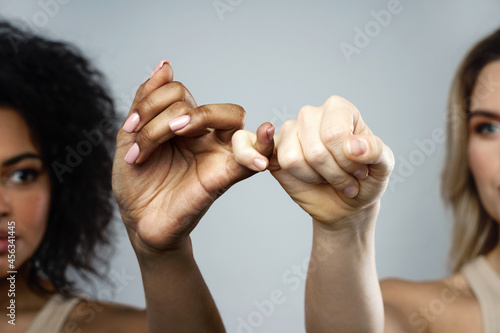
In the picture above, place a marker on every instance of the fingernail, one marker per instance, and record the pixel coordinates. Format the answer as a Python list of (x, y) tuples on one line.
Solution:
[(132, 154), (361, 173), (351, 191), (179, 123), (260, 164), (270, 133), (357, 147), (131, 123), (159, 66)]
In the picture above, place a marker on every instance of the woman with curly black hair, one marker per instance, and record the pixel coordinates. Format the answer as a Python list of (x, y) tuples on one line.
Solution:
[(56, 133), (172, 160)]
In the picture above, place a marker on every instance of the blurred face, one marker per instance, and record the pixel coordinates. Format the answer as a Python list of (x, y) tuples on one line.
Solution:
[(24, 190), (484, 140)]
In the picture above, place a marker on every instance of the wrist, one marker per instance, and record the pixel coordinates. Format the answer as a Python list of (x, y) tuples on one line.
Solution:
[(355, 222), (173, 262), (146, 250), (351, 239)]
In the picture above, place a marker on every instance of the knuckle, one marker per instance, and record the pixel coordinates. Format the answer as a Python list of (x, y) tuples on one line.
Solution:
[(290, 160), (316, 154), (178, 108), (203, 113), (287, 125), (146, 136), (141, 88), (339, 180), (335, 101), (145, 105), (178, 88), (305, 111), (177, 85), (331, 135)]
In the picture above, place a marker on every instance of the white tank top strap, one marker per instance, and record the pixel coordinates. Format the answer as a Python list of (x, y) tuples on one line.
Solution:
[(53, 315), (485, 284)]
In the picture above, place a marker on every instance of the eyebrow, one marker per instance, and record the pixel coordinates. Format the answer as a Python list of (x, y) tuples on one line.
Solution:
[(483, 113), (19, 158)]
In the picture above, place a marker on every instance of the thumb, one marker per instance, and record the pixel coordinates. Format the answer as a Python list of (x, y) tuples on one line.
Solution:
[(370, 150)]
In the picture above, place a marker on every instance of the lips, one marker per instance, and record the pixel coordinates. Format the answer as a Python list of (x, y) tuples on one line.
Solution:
[(4, 242), (4, 245)]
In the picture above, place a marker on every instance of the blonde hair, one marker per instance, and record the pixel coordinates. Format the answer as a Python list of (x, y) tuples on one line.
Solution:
[(474, 232)]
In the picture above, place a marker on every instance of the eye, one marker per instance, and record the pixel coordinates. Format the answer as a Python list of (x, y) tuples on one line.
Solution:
[(487, 128), (24, 176)]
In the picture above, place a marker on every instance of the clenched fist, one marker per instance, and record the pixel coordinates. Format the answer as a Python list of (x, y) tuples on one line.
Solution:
[(327, 160)]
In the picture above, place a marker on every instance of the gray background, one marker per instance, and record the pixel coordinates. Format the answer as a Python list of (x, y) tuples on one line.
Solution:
[(272, 57)]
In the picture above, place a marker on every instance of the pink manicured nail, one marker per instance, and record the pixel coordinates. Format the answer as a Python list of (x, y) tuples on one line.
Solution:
[(159, 66), (132, 154), (179, 123), (131, 123), (260, 164), (270, 133)]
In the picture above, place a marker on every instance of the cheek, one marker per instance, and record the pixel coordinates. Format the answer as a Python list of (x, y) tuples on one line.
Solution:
[(31, 221), (479, 163), (484, 165)]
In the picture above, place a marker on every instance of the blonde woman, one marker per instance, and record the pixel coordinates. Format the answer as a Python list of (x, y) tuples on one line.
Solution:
[(336, 170)]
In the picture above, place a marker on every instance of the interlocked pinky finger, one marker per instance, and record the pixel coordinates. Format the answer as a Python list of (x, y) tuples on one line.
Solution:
[(252, 150)]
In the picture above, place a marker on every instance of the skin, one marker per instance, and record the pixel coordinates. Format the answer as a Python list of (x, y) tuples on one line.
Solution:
[(200, 167), (484, 142), (25, 199), (462, 312), (22, 182), (343, 203), (313, 163), (164, 193)]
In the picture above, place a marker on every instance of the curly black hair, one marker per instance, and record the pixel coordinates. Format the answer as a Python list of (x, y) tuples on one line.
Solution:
[(71, 118)]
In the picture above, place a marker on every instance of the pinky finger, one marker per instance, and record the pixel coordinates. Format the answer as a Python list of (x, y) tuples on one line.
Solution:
[(246, 148)]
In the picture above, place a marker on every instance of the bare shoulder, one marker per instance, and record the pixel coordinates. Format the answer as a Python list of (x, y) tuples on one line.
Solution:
[(409, 294), (94, 316), (429, 306)]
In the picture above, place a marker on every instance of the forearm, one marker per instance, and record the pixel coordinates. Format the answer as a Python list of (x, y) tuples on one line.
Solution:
[(177, 298), (342, 289)]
